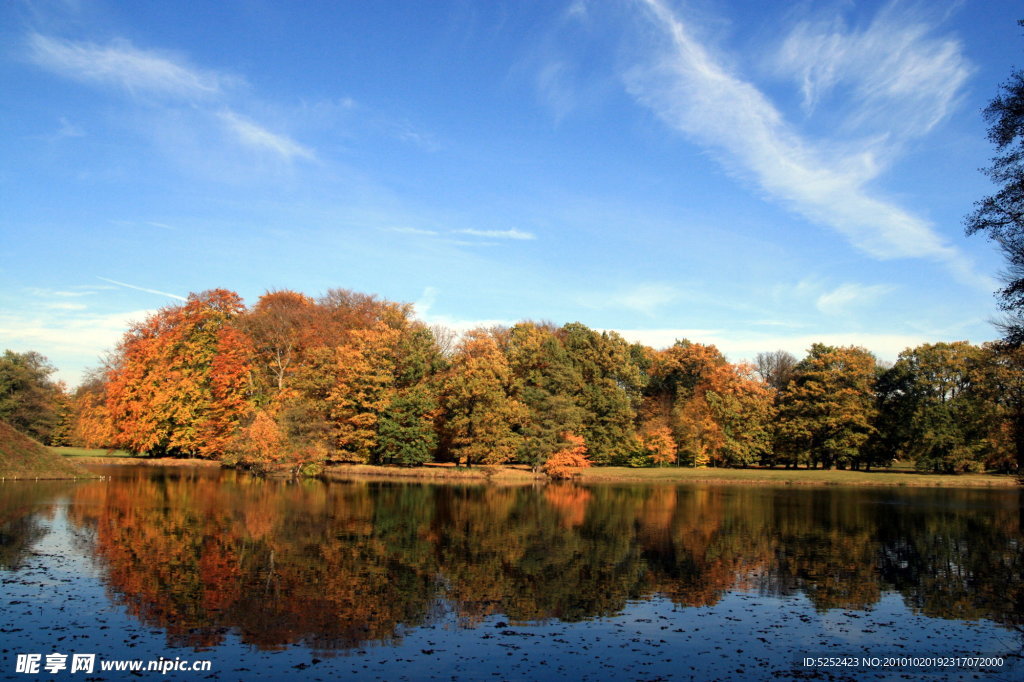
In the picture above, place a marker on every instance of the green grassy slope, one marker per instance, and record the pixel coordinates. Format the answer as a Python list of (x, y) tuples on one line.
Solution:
[(21, 457)]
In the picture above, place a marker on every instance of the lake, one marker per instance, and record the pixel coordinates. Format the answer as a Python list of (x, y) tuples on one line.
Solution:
[(267, 579)]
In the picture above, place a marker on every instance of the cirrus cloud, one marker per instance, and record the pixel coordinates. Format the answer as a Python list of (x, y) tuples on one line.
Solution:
[(697, 95)]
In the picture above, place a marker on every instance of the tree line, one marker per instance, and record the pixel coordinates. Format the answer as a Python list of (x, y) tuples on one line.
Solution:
[(348, 377)]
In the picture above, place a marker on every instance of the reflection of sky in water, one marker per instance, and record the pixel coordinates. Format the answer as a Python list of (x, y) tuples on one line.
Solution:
[(58, 601)]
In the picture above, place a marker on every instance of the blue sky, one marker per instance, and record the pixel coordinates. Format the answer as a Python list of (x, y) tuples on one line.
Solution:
[(754, 175)]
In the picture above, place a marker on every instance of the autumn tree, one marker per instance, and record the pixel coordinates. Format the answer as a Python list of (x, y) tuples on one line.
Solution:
[(716, 411), (180, 381), (481, 420), (1003, 389), (744, 409), (566, 462), (659, 445), (92, 426), (826, 416), (675, 398), (279, 326), (258, 445), (341, 311), (363, 390)]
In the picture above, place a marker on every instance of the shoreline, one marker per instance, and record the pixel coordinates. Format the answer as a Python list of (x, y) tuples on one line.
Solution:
[(798, 477), (521, 475)]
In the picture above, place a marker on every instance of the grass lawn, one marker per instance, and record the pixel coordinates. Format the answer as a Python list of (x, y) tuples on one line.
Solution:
[(899, 476), (435, 472), (90, 452)]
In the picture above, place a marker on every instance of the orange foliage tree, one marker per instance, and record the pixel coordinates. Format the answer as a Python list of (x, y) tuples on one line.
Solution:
[(179, 384), (718, 413), (363, 389), (279, 326), (565, 463), (91, 426), (659, 445)]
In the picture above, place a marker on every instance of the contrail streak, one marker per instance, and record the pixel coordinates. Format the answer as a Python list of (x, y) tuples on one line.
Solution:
[(148, 291)]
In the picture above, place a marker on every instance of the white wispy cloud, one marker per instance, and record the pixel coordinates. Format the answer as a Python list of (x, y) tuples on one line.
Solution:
[(499, 234), (424, 140), (256, 136), (553, 85), (173, 84), (138, 288), (413, 230), (643, 298), (692, 92), (67, 130), (423, 311), (895, 72), (47, 293), (839, 300), (72, 340), (59, 305), (121, 64)]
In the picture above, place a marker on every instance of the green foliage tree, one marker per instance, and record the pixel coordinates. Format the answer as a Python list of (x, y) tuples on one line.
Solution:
[(612, 380), (30, 400), (406, 434), (933, 407), (547, 383), (826, 416)]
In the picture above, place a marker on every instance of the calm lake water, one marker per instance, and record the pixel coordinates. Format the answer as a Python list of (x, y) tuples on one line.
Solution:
[(368, 580)]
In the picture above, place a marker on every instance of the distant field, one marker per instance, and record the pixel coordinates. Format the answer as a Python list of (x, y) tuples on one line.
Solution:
[(898, 476), (90, 452)]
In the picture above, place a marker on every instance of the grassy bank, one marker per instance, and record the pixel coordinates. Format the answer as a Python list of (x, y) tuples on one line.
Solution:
[(23, 458), (675, 475), (441, 473), (89, 452), (101, 456), (792, 477), (518, 474)]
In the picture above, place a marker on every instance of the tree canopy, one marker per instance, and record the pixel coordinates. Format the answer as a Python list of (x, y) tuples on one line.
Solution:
[(1001, 215), (296, 382), (30, 400)]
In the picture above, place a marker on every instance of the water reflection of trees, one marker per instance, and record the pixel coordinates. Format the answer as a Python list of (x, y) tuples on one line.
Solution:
[(23, 505), (336, 566)]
